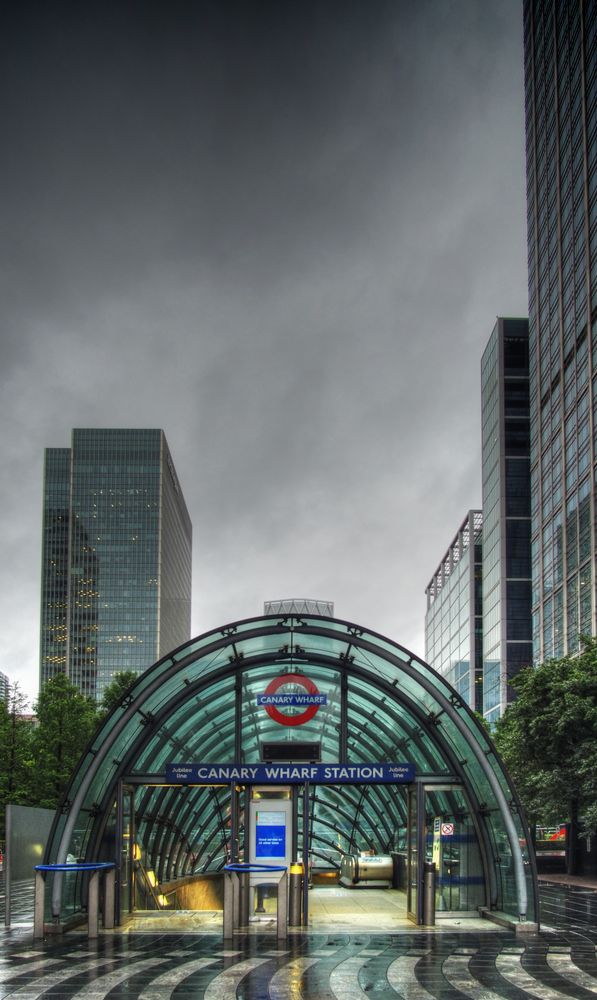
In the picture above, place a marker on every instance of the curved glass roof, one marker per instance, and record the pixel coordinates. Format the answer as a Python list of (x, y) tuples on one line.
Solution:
[(199, 704)]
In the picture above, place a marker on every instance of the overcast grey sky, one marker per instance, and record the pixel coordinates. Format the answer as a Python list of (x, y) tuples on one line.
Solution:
[(281, 231)]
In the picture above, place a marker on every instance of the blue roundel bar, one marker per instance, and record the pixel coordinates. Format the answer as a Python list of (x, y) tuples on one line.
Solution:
[(72, 866)]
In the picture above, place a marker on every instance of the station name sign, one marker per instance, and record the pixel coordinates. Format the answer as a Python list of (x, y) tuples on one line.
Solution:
[(285, 774), (292, 700)]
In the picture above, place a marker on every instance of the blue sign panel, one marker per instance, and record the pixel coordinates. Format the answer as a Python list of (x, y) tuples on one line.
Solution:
[(270, 835), (287, 774)]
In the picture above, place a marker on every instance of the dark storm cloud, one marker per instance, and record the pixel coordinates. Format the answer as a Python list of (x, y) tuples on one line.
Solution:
[(282, 232), (237, 137)]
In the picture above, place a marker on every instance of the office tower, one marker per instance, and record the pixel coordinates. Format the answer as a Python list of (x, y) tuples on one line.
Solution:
[(453, 622), (116, 557), (507, 634), (4, 687), (561, 143)]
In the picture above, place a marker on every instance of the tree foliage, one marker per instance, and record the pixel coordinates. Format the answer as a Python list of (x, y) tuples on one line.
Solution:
[(548, 740), (66, 720), (37, 760), (116, 690), (16, 750)]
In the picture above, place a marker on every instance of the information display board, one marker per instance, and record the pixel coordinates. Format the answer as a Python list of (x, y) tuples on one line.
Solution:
[(270, 835), (270, 829)]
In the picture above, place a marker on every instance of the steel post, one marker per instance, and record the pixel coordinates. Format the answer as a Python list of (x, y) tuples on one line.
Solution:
[(283, 906), (93, 905), (38, 914), (109, 898), (295, 894), (429, 894), (228, 906)]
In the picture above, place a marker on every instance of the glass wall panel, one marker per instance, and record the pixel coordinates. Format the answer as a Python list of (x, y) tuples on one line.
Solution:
[(204, 707)]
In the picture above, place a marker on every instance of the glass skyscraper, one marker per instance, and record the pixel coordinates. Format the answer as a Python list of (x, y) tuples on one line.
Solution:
[(478, 621), (506, 512), (453, 623), (561, 144), (116, 557)]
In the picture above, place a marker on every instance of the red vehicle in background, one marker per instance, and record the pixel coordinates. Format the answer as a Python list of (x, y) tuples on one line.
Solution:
[(550, 848)]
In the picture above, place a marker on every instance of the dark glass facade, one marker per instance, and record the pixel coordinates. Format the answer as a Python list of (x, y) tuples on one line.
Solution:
[(561, 144), (55, 562), (116, 557), (454, 622), (507, 642)]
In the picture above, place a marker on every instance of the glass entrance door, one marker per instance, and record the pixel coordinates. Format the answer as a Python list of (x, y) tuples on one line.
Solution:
[(452, 844), (441, 829)]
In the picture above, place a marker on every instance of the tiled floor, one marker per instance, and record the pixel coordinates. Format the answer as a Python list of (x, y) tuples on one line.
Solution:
[(170, 961), (342, 966)]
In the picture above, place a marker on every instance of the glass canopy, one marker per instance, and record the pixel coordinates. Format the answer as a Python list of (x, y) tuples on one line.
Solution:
[(382, 703)]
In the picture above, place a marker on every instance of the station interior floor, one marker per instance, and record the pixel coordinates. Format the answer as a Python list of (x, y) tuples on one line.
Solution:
[(331, 909)]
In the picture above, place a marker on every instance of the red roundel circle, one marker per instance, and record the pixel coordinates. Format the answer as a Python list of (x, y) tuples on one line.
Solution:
[(291, 720)]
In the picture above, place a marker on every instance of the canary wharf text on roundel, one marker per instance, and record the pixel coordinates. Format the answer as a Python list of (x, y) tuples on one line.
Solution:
[(277, 696)]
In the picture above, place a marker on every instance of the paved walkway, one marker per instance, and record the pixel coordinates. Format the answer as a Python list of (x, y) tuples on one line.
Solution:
[(570, 881), (451, 963), (414, 966)]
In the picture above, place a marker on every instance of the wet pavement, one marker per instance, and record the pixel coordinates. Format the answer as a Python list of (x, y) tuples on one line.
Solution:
[(572, 909), (560, 962)]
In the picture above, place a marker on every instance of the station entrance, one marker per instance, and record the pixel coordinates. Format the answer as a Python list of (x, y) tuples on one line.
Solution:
[(389, 846), (296, 740)]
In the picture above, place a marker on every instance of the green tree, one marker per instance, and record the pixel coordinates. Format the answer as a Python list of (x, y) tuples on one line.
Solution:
[(66, 721), (548, 739), (16, 751), (116, 690)]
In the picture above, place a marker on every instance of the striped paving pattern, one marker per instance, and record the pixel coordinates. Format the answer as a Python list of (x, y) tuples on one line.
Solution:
[(559, 963), (335, 967)]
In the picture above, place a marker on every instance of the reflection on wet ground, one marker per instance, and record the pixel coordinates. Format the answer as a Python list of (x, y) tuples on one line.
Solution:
[(348, 963)]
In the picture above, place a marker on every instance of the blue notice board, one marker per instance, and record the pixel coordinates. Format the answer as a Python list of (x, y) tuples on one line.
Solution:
[(270, 834)]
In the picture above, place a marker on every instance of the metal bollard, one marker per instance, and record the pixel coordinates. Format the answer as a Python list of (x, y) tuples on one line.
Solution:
[(260, 891), (229, 905), (282, 914), (109, 889), (295, 895), (93, 905), (38, 914), (244, 902), (429, 894)]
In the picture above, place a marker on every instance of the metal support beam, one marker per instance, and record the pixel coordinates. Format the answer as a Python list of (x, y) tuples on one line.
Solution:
[(306, 854)]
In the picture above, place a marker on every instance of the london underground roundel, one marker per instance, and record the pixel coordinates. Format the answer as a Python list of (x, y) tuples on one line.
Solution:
[(276, 698)]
